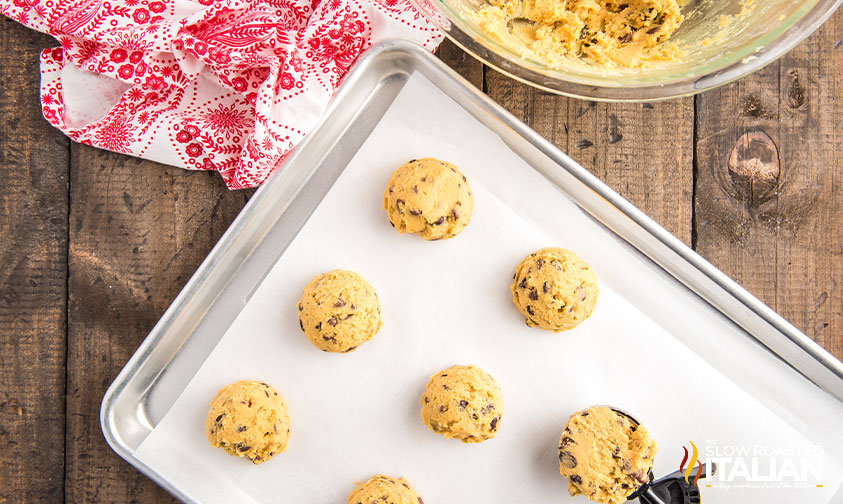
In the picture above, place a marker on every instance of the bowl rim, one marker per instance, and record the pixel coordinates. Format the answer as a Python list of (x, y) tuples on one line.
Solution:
[(737, 65)]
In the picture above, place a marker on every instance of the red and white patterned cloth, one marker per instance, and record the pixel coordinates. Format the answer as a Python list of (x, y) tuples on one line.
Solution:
[(230, 85)]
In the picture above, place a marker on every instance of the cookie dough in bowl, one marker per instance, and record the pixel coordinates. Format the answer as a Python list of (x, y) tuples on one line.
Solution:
[(248, 419), (604, 33), (430, 198), (339, 311), (382, 489), (463, 402), (605, 455), (554, 289)]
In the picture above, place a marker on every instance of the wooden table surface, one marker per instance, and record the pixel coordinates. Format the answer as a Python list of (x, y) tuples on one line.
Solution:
[(94, 245)]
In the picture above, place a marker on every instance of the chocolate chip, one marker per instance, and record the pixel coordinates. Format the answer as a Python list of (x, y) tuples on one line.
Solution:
[(242, 428), (533, 295), (464, 179), (426, 400), (405, 485), (300, 308), (332, 321), (463, 404), (339, 304), (272, 454), (539, 263), (625, 465), (624, 486), (267, 394), (218, 418), (416, 189), (545, 288), (349, 349), (446, 387), (640, 476), (487, 409), (653, 30), (584, 413), (391, 188), (529, 309), (348, 316), (412, 160), (439, 221), (523, 284), (399, 204), (474, 416), (243, 448), (565, 442), (443, 409), (443, 375), (424, 179), (581, 292), (575, 478), (626, 38), (494, 423), (455, 213), (319, 326), (421, 501), (616, 451), (415, 212), (452, 169), (567, 459)]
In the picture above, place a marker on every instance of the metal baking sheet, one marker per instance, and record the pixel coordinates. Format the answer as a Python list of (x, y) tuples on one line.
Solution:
[(190, 329)]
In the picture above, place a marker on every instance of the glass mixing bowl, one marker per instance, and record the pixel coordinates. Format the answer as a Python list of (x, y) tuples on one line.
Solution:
[(765, 30)]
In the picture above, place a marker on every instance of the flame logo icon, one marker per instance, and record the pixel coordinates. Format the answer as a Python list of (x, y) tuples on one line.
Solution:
[(694, 461)]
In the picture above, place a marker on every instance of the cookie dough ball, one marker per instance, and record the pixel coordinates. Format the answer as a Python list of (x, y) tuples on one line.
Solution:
[(605, 455), (554, 289), (249, 419), (339, 311), (428, 197), (384, 490), (463, 402)]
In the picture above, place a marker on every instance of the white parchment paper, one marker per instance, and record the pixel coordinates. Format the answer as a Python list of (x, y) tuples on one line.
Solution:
[(650, 347)]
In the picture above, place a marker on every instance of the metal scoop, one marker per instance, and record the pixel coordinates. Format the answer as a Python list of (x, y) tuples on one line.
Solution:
[(670, 489)]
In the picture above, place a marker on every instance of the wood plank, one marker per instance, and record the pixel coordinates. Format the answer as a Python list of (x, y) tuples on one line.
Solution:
[(467, 66), (772, 217), (643, 151), (33, 264), (138, 231)]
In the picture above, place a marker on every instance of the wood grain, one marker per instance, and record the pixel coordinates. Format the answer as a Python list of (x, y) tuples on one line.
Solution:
[(470, 68), (772, 218), (138, 231), (33, 260), (643, 151)]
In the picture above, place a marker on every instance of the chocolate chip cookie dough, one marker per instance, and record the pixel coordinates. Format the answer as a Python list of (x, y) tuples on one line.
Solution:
[(604, 455), (382, 489), (428, 197), (463, 402), (605, 33), (554, 289), (248, 419), (339, 311)]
